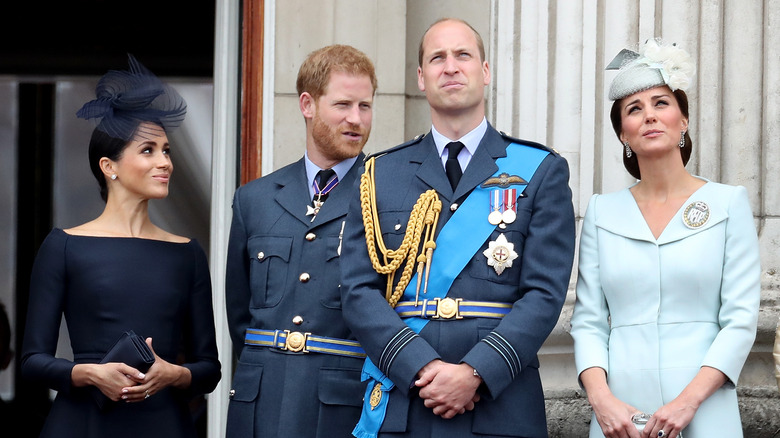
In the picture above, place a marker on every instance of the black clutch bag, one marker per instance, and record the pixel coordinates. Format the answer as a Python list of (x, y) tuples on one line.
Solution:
[(131, 350)]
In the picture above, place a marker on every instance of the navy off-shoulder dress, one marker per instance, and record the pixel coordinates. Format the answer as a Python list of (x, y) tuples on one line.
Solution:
[(105, 286)]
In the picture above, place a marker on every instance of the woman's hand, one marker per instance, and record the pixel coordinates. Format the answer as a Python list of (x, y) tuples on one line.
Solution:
[(161, 375), (675, 416), (613, 415), (671, 418), (110, 378)]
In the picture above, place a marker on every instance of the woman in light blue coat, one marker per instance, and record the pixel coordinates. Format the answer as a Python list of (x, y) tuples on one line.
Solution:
[(668, 289)]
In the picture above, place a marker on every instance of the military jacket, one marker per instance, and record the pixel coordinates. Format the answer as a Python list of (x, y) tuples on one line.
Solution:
[(283, 274), (504, 351)]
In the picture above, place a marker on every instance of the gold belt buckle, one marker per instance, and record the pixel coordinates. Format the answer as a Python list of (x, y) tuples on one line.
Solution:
[(296, 341), (448, 308)]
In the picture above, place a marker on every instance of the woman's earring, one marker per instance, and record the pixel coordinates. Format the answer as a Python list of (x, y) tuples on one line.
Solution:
[(628, 149), (113, 177), (682, 140)]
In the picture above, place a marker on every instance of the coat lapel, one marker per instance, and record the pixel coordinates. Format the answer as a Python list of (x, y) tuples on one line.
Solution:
[(431, 171), (293, 195), (677, 230), (619, 214)]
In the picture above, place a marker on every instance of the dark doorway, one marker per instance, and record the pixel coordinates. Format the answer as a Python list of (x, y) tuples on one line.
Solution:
[(85, 37)]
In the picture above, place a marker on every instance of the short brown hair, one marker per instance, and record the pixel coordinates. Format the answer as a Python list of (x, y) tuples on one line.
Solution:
[(314, 74), (480, 44), (632, 164)]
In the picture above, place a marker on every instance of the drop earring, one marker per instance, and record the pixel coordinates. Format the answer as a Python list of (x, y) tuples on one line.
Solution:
[(628, 149), (682, 139)]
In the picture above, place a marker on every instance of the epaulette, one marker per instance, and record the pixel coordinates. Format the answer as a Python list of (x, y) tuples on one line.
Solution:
[(395, 148), (528, 143)]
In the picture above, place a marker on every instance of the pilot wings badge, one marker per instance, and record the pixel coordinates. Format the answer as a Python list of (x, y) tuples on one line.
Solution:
[(503, 180)]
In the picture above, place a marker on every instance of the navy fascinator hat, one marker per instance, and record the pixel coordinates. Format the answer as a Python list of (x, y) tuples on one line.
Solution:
[(127, 98)]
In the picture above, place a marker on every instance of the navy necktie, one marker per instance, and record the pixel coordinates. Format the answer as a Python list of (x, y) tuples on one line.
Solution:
[(452, 167)]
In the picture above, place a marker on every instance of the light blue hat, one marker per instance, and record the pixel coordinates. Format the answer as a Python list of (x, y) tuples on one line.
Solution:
[(654, 65)]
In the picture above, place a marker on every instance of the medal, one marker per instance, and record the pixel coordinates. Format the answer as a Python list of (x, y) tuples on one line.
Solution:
[(496, 204), (494, 217), (313, 210), (510, 212), (500, 254), (503, 207), (696, 214), (376, 396), (319, 194), (508, 216)]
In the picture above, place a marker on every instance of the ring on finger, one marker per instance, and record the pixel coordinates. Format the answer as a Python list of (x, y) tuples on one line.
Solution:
[(661, 433), (147, 396)]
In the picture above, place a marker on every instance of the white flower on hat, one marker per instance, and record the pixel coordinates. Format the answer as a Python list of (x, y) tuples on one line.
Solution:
[(674, 63)]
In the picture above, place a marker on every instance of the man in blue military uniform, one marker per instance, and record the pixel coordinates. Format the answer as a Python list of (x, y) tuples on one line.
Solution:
[(456, 261), (298, 370)]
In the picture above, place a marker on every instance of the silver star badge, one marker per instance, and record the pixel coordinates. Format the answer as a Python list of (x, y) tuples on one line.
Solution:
[(313, 210), (500, 254)]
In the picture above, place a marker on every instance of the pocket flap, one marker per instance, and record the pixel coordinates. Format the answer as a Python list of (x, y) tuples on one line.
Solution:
[(341, 387), (246, 382), (262, 247)]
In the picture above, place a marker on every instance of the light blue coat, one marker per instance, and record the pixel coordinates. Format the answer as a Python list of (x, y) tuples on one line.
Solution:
[(686, 300)]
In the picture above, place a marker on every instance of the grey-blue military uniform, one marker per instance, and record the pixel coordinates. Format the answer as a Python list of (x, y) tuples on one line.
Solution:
[(283, 275), (503, 350)]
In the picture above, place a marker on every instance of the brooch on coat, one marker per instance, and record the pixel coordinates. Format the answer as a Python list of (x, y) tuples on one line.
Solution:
[(696, 214)]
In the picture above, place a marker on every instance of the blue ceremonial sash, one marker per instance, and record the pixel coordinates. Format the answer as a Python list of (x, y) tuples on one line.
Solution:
[(454, 249)]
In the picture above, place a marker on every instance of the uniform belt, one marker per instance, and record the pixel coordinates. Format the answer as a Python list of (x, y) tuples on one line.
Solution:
[(298, 342), (452, 308)]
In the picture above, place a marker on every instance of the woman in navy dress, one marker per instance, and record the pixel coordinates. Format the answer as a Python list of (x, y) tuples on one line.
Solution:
[(120, 272)]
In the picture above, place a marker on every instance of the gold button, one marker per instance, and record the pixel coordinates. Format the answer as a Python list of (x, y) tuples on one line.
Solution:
[(304, 277), (311, 236), (297, 320), (232, 393), (260, 255), (454, 206)]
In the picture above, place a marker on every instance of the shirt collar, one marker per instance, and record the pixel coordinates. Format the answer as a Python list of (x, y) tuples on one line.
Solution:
[(470, 140), (341, 170)]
